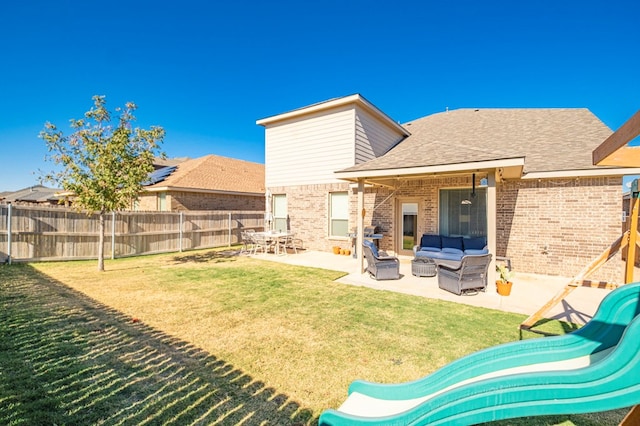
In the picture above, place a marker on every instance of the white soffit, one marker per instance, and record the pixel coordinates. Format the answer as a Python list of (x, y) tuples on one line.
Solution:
[(201, 191), (432, 170)]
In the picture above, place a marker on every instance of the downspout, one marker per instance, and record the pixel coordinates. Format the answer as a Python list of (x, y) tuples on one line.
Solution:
[(268, 213)]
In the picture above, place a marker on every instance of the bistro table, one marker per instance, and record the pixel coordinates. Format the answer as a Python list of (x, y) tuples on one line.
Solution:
[(274, 238)]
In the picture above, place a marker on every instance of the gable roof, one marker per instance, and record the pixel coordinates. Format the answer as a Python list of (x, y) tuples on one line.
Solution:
[(213, 173), (540, 140), (355, 99)]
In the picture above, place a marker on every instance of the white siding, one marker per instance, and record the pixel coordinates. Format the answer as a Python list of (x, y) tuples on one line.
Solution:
[(372, 138), (309, 150)]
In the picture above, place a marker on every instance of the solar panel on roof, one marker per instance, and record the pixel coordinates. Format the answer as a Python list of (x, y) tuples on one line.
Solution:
[(159, 175)]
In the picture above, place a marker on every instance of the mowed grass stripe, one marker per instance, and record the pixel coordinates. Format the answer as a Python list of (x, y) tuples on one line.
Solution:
[(268, 343)]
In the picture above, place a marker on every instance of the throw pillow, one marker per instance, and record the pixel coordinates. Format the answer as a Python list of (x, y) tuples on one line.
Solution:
[(428, 240), (452, 242), (477, 243)]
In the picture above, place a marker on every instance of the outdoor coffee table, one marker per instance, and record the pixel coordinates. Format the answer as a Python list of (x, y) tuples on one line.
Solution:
[(423, 267)]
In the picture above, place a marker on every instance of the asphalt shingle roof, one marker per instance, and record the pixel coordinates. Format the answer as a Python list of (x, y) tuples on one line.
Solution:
[(213, 172), (34, 194), (549, 139)]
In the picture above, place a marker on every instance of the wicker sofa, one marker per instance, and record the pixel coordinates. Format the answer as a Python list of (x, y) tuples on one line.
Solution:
[(441, 247)]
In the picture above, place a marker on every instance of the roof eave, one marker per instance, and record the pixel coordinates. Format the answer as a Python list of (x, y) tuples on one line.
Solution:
[(601, 172), (202, 190)]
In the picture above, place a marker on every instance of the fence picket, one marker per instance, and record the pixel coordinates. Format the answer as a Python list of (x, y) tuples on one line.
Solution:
[(40, 233)]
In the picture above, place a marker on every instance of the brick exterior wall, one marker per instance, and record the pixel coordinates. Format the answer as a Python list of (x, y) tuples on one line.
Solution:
[(559, 226), (202, 201), (550, 226), (147, 202), (308, 211)]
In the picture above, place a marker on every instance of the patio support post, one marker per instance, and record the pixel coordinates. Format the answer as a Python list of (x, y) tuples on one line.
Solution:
[(360, 225), (492, 228)]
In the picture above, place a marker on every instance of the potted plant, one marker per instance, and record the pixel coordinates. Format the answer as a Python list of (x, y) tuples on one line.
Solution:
[(504, 283)]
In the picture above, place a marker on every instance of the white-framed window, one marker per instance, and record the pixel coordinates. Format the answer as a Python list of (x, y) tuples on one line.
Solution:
[(338, 214), (279, 210)]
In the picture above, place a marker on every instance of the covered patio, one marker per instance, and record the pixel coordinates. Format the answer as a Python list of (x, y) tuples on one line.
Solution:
[(523, 179)]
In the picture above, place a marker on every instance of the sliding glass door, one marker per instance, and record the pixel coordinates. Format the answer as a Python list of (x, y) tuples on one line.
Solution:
[(463, 213)]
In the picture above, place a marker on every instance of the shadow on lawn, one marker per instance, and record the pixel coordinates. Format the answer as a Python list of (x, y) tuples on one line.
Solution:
[(67, 359), (208, 256)]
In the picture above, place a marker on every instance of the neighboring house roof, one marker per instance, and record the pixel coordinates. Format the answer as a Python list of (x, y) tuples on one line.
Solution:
[(213, 173), (159, 162), (32, 194), (539, 140)]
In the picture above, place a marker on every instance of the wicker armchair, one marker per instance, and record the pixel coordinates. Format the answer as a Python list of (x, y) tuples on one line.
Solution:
[(380, 267), (467, 277)]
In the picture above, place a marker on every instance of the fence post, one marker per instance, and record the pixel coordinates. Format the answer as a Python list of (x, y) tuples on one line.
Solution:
[(9, 233), (229, 229), (113, 235), (180, 231)]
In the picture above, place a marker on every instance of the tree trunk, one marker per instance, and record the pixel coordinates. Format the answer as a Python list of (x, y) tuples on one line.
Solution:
[(101, 243)]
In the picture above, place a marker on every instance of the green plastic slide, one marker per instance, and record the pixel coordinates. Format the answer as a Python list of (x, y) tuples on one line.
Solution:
[(595, 368)]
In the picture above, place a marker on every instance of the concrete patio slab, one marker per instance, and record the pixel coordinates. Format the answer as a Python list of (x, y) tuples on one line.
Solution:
[(529, 293)]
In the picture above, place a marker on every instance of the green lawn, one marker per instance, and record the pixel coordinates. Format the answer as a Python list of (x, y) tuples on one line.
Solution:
[(208, 338)]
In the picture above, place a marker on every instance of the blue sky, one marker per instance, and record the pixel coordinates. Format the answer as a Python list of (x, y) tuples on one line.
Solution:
[(207, 70)]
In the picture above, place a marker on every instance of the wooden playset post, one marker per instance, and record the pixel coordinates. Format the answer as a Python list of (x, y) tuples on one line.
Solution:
[(633, 232)]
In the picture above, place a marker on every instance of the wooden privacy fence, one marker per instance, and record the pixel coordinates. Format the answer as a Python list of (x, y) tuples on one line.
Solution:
[(39, 233)]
